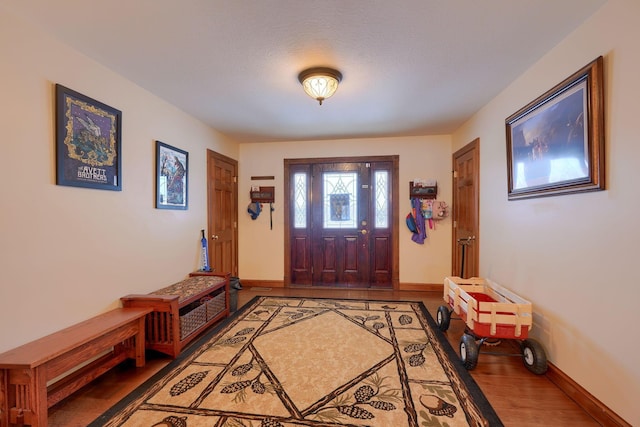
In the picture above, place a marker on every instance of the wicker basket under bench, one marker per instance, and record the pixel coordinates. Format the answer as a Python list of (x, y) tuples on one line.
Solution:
[(182, 311)]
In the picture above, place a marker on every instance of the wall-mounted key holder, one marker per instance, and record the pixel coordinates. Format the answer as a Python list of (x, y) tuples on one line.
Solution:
[(262, 194), (423, 191)]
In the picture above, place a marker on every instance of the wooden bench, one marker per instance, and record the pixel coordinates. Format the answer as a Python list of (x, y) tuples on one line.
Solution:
[(183, 311), (26, 371)]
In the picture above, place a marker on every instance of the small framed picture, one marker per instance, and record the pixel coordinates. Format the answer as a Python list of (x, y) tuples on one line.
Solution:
[(172, 177), (88, 142)]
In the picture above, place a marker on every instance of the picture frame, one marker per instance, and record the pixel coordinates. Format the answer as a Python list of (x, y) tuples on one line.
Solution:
[(555, 144), (172, 177), (88, 142)]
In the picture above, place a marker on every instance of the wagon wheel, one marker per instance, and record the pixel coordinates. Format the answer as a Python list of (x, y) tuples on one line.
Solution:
[(534, 357), (469, 351), (443, 317)]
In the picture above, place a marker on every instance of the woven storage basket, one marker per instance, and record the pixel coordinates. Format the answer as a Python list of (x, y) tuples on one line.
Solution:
[(193, 320), (215, 305)]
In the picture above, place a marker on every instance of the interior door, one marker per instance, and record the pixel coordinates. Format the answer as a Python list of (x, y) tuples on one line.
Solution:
[(222, 190), (466, 202)]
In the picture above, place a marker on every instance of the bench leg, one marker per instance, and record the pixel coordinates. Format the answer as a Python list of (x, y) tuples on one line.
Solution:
[(24, 397), (140, 344), (4, 399)]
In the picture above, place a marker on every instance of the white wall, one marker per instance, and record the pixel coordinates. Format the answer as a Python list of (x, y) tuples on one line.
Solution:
[(69, 253), (262, 249), (573, 256)]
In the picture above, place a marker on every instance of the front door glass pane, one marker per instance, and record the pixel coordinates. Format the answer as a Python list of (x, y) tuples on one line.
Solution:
[(340, 199), (300, 200), (381, 188)]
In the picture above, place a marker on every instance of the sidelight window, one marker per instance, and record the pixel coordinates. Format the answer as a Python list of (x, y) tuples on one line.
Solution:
[(300, 200), (381, 198)]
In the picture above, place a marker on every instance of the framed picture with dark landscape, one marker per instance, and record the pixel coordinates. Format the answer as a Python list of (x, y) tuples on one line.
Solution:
[(88, 142), (555, 144), (172, 172)]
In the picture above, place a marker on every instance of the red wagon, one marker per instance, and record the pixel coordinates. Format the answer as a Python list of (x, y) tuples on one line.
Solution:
[(490, 312)]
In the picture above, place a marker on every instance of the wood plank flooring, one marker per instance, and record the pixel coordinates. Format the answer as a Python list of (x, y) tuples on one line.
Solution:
[(519, 397)]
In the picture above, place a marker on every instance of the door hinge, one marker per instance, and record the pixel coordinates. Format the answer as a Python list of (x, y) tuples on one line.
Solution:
[(455, 174), (235, 179), (455, 224), (235, 224)]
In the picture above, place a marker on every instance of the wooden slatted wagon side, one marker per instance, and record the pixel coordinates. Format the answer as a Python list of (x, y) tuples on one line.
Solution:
[(490, 312)]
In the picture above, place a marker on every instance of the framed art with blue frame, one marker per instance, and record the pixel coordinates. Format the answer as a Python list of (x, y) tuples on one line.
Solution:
[(172, 177)]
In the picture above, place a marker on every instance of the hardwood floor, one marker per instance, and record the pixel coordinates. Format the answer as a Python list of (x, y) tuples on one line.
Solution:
[(519, 397)]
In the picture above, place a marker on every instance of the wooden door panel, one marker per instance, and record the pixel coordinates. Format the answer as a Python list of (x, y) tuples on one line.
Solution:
[(381, 264), (350, 255), (223, 212), (299, 260), (327, 267)]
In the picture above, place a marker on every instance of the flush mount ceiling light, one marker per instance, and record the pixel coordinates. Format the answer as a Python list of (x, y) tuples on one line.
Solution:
[(320, 82)]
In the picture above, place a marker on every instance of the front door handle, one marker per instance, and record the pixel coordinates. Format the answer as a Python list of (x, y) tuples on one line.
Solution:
[(363, 231), (214, 237)]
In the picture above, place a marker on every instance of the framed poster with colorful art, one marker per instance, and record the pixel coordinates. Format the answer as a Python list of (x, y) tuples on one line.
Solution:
[(88, 142), (172, 172)]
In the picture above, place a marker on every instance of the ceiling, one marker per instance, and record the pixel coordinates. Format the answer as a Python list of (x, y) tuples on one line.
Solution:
[(410, 67)]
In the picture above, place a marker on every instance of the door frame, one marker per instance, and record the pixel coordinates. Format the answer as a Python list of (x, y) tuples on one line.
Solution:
[(395, 215)]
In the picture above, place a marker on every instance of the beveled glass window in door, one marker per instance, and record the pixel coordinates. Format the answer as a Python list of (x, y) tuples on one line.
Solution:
[(300, 200), (340, 199), (381, 189)]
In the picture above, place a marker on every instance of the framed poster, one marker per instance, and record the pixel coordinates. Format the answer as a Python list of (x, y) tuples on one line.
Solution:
[(555, 144), (88, 142), (172, 172)]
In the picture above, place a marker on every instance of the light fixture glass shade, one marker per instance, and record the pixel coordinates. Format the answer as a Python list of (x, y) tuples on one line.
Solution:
[(320, 83)]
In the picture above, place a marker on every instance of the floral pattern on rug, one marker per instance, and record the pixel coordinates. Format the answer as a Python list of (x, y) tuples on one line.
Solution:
[(287, 362)]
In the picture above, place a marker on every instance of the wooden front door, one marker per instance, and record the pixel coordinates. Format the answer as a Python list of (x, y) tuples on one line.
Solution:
[(340, 223), (222, 191), (466, 202), (340, 218)]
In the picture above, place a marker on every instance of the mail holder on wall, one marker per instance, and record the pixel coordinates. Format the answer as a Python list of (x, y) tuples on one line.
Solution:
[(423, 191), (262, 194)]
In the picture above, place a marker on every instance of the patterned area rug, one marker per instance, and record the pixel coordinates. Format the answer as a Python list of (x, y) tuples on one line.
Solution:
[(292, 362)]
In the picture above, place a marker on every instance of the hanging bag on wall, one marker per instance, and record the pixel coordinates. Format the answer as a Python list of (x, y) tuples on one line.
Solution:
[(254, 209), (440, 210), (411, 223)]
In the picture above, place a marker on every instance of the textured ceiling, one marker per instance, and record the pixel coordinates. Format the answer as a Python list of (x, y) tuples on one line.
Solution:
[(410, 67)]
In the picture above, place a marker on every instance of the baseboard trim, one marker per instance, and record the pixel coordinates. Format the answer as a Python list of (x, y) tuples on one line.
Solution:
[(426, 287), (262, 283), (598, 410)]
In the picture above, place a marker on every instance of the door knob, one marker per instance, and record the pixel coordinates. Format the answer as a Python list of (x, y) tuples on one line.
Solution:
[(214, 237), (363, 231)]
